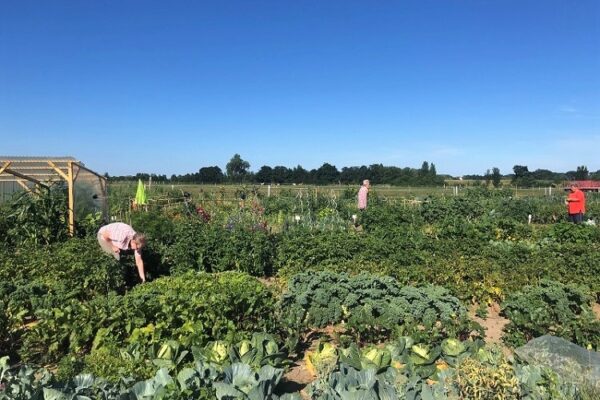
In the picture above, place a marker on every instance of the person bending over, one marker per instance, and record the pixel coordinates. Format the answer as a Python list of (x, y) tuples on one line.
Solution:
[(117, 237)]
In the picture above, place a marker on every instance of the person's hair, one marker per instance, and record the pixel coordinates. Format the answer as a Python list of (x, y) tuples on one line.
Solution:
[(140, 239), (366, 182)]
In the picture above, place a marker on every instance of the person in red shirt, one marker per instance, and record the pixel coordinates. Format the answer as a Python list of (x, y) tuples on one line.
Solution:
[(575, 204)]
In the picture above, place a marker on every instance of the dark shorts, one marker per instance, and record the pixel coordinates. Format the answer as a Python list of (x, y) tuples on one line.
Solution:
[(576, 218)]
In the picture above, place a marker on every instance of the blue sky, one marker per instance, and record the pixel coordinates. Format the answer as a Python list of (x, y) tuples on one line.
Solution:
[(169, 87)]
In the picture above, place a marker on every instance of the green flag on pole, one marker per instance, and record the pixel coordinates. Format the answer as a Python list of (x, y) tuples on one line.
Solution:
[(140, 194)]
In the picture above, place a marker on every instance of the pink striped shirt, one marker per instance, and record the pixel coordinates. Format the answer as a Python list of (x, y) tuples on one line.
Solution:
[(362, 197), (120, 234)]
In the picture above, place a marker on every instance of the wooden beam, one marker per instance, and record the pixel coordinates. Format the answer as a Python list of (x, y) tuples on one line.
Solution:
[(77, 173), (59, 171), (70, 182), (40, 160), (89, 170), (3, 168), (27, 178), (30, 167), (40, 174), (23, 185)]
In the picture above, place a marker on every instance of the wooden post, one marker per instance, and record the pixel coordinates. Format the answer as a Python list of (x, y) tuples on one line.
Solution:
[(70, 183)]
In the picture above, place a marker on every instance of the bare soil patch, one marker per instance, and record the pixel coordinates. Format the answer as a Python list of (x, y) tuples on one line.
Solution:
[(493, 325), (298, 376), (596, 309)]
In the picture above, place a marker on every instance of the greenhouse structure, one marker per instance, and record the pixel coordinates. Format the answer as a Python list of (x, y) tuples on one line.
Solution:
[(86, 189)]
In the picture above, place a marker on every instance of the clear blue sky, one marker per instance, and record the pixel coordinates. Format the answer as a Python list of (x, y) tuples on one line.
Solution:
[(172, 86)]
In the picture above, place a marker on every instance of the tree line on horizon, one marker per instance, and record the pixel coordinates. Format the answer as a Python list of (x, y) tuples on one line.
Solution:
[(238, 171)]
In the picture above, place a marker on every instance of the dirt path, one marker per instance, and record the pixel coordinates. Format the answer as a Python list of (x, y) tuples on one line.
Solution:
[(596, 309), (493, 325), (297, 378)]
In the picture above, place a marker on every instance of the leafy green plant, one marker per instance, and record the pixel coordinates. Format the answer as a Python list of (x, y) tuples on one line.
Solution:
[(370, 357), (542, 383), (39, 217), (241, 382), (112, 362), (261, 350), (479, 381), (574, 233), (26, 384), (375, 307), (196, 308), (78, 265), (323, 359), (64, 326), (551, 308), (200, 246), (5, 335), (348, 382), (190, 382)]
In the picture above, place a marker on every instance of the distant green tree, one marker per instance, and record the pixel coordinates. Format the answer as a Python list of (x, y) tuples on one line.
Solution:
[(326, 173), (432, 170), (237, 168), (264, 175), (210, 175), (281, 174), (488, 177), (299, 175), (376, 172), (496, 177), (543, 175), (522, 176), (582, 173), (521, 171), (351, 175), (424, 171)]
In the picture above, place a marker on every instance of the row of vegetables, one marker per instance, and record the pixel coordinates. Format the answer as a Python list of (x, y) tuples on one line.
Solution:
[(379, 312), (253, 369), (421, 339)]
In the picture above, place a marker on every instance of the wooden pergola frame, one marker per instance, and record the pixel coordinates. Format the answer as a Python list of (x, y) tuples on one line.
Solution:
[(41, 174)]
